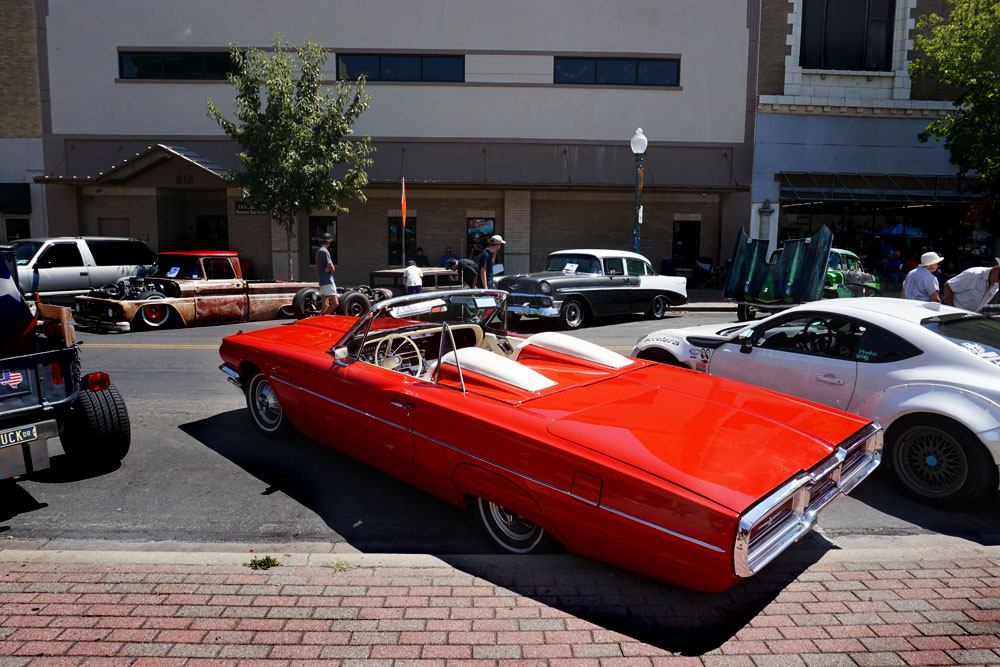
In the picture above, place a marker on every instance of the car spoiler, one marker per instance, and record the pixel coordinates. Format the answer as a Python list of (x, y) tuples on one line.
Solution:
[(796, 277)]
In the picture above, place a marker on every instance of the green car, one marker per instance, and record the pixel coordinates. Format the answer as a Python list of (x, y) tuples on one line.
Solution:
[(802, 270)]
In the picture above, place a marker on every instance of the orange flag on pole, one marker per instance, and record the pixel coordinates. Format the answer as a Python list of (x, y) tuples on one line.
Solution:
[(404, 203)]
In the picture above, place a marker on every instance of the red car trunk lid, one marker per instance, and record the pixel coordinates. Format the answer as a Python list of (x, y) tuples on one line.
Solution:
[(724, 440)]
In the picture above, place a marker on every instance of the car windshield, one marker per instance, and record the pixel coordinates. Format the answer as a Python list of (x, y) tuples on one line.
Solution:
[(484, 310), (26, 250), (175, 266), (979, 335), (573, 264)]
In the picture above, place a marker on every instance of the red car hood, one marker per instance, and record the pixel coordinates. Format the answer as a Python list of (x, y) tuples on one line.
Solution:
[(315, 333), (726, 441)]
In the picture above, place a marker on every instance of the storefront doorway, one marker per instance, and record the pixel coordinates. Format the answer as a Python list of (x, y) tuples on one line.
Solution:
[(212, 232)]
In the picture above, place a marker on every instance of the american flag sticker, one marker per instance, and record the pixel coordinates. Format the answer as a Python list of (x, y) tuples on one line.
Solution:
[(11, 379)]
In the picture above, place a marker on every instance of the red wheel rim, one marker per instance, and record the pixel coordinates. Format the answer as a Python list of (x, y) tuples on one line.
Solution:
[(156, 313)]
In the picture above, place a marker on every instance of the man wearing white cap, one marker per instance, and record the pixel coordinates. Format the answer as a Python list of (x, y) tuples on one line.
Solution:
[(487, 259), (973, 288), (920, 283)]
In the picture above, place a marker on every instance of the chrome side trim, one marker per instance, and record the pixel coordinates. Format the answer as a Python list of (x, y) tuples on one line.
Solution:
[(664, 530), (343, 405), (509, 470)]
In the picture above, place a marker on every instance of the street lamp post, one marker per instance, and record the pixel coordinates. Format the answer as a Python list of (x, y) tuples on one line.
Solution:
[(638, 144)]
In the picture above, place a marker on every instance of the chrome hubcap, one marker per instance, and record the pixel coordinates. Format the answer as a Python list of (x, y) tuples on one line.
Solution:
[(574, 315), (268, 409), (512, 525)]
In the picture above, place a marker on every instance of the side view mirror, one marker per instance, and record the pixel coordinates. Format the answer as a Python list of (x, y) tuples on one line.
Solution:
[(340, 353), (746, 341)]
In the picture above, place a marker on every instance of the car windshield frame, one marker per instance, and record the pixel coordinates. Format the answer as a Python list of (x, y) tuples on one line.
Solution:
[(593, 262), (22, 258), (416, 311), (178, 261), (986, 349)]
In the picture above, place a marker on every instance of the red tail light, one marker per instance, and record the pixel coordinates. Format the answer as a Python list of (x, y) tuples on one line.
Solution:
[(97, 381), (56, 373)]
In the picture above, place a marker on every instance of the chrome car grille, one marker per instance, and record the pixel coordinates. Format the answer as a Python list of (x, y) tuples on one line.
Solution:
[(789, 512), (536, 300)]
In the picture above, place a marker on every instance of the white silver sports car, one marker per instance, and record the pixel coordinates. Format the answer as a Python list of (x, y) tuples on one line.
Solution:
[(928, 373)]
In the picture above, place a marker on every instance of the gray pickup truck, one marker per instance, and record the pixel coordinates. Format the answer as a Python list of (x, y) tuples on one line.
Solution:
[(44, 395), (70, 265)]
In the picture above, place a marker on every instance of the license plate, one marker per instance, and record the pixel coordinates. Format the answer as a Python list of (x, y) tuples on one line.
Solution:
[(16, 436)]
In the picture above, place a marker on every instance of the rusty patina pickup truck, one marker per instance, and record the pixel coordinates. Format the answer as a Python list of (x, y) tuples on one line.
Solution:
[(186, 288)]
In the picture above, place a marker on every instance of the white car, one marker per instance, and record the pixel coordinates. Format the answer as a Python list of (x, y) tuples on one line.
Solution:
[(928, 373)]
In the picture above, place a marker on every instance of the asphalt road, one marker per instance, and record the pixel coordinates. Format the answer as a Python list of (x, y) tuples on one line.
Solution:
[(198, 474)]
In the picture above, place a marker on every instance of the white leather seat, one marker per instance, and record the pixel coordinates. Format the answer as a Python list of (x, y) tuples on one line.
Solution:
[(575, 347), (484, 362)]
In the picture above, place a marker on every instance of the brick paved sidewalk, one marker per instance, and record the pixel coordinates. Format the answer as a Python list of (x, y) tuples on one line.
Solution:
[(493, 610)]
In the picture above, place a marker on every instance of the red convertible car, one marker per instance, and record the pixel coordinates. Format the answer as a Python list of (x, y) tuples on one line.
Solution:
[(680, 475)]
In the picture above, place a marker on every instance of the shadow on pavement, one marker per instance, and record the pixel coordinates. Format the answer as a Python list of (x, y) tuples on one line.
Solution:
[(979, 522), (375, 513), (648, 610), (364, 508), (15, 500)]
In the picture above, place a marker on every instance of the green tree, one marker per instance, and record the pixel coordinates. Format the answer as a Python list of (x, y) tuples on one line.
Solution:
[(963, 50), (293, 133)]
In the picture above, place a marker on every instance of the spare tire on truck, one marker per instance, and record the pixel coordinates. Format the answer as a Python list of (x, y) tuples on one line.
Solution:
[(97, 427), (354, 303), (307, 302)]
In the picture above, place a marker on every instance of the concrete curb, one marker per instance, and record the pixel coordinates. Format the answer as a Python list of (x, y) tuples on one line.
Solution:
[(840, 550)]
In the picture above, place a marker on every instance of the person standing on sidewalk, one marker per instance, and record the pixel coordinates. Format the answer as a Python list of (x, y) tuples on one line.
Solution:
[(486, 260), (324, 271), (973, 288), (921, 284), (414, 278)]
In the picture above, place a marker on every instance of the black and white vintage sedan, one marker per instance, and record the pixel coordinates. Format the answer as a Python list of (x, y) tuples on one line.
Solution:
[(577, 285)]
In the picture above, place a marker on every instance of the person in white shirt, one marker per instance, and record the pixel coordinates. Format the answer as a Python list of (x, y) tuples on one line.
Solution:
[(973, 288), (414, 278), (921, 284)]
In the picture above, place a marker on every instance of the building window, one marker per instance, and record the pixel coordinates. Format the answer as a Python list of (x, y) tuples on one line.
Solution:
[(393, 67), (319, 225), (478, 233), (185, 65), (617, 71), (16, 228), (396, 237), (847, 34)]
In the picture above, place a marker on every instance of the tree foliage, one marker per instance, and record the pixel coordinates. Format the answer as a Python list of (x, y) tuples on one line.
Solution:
[(294, 133), (963, 50)]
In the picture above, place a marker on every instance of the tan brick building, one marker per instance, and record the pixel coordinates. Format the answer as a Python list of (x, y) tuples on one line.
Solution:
[(511, 120)]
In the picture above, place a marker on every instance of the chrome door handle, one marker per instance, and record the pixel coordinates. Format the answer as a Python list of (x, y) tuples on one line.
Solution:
[(829, 379), (404, 406)]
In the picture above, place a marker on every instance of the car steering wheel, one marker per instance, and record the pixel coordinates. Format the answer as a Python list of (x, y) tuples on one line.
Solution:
[(820, 342), (399, 353)]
